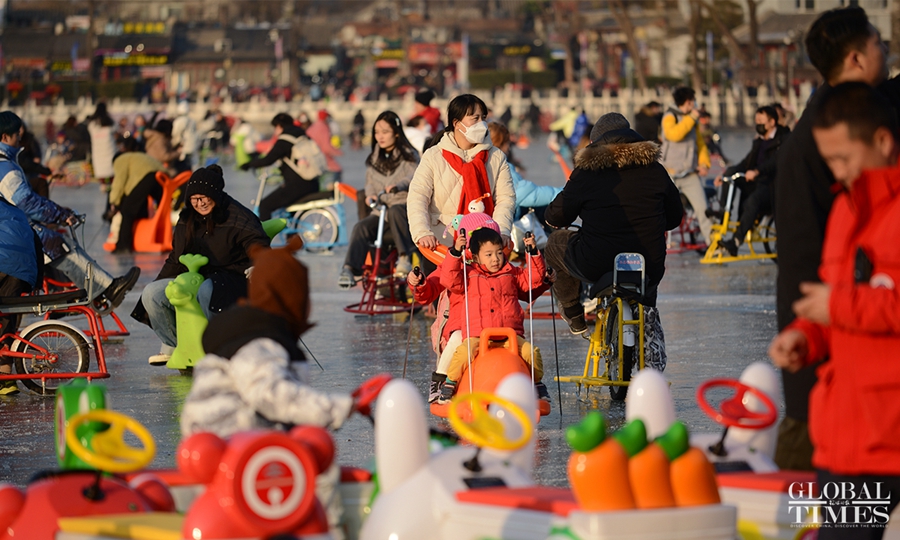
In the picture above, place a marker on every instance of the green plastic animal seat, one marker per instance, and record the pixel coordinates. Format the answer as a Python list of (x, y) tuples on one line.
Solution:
[(190, 321)]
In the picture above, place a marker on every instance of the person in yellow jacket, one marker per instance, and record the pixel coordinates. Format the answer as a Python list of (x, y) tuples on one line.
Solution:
[(684, 153)]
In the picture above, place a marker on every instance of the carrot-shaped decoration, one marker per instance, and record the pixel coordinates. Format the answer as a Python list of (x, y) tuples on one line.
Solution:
[(649, 470), (599, 476), (694, 479)]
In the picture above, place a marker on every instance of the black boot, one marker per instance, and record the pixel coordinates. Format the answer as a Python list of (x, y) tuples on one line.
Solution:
[(120, 286)]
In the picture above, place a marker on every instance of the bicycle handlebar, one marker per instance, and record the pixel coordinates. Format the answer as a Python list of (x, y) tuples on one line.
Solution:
[(381, 194)]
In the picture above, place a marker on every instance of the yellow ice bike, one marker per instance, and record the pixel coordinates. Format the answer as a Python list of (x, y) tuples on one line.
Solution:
[(763, 232), (617, 341)]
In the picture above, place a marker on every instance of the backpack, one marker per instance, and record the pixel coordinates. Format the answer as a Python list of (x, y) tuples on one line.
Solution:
[(437, 327), (306, 159)]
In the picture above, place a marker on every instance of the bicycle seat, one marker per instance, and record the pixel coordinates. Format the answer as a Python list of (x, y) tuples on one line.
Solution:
[(44, 299), (629, 285), (627, 278), (318, 196)]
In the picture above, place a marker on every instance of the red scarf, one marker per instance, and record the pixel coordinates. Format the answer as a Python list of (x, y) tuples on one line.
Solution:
[(475, 180)]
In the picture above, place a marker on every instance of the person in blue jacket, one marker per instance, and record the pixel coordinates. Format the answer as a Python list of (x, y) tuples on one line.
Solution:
[(71, 260), (528, 194), (20, 270)]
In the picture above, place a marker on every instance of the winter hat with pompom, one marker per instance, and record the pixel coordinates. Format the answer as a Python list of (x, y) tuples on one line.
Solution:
[(477, 220)]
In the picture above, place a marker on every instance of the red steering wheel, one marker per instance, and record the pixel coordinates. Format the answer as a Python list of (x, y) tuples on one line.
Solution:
[(366, 393), (732, 411)]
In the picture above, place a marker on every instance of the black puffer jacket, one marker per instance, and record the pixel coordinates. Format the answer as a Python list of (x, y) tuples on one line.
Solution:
[(235, 229), (767, 165), (626, 202)]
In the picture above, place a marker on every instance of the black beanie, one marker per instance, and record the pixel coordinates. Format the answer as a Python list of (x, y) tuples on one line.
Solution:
[(424, 97), (207, 181)]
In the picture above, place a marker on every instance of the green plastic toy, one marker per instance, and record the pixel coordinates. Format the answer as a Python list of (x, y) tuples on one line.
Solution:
[(274, 226), (190, 321), (73, 398)]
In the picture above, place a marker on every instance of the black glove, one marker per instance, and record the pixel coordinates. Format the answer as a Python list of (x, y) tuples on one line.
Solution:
[(245, 166)]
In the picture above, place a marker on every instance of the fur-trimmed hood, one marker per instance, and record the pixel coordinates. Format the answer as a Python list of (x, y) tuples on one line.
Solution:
[(617, 149)]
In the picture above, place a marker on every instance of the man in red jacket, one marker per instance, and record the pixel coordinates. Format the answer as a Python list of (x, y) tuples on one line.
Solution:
[(853, 317)]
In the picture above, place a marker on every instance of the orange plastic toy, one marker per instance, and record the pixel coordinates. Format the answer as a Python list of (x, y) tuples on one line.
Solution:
[(694, 479), (649, 470), (490, 366), (154, 234), (606, 464)]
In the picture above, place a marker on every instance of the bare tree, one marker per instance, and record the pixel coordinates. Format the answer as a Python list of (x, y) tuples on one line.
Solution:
[(733, 46), (620, 12), (753, 52), (565, 21), (694, 30)]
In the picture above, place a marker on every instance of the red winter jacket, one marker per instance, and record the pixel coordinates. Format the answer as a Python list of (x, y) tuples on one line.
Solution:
[(855, 405), (493, 298), (430, 290)]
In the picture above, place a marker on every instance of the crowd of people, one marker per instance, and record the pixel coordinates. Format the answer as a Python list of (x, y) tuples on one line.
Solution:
[(832, 184)]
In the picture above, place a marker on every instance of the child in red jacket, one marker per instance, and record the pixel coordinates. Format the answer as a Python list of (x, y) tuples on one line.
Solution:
[(852, 319), (487, 296), (427, 290)]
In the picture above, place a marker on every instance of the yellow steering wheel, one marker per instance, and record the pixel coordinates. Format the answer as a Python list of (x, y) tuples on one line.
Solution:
[(109, 452), (484, 430)]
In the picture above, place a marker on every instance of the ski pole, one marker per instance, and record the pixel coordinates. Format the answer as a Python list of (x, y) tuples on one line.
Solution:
[(529, 252), (556, 350), (412, 308), (462, 232), (305, 346)]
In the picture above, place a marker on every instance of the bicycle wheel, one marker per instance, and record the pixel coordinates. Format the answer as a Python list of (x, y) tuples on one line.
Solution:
[(766, 229), (618, 393), (68, 352), (319, 228)]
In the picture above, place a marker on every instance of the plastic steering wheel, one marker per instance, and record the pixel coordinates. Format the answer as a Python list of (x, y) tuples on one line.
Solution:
[(109, 452), (366, 393), (732, 411), (484, 430)]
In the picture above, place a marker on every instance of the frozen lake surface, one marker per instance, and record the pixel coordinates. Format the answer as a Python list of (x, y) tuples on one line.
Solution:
[(717, 320)]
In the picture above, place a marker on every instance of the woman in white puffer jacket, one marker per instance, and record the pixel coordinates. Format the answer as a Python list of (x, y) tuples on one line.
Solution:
[(461, 168)]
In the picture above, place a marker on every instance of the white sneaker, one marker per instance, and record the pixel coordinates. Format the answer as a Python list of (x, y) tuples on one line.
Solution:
[(403, 266), (159, 359)]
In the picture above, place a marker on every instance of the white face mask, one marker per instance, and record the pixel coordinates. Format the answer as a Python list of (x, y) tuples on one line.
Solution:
[(475, 133)]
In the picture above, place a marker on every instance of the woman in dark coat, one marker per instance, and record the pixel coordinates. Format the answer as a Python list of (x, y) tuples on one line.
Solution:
[(216, 226)]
